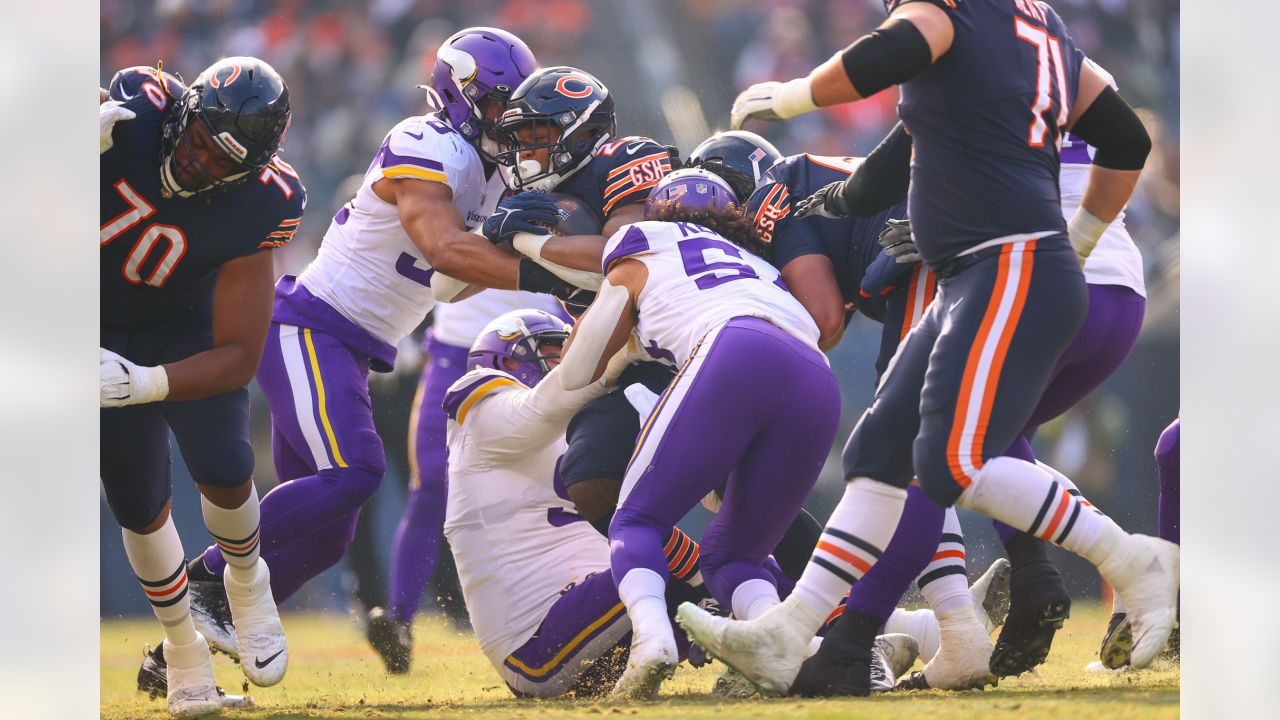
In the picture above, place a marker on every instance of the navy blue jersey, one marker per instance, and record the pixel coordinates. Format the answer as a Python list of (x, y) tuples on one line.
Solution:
[(986, 120), (850, 243), (160, 256), (619, 173)]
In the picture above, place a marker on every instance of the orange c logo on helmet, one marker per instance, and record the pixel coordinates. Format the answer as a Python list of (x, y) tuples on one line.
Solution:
[(235, 73), (563, 89)]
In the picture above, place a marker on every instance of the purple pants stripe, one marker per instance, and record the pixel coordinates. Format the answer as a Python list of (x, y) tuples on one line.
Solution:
[(1168, 464)]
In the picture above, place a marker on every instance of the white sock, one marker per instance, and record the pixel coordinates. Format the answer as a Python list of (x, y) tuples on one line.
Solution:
[(944, 583), (1067, 483), (853, 540), (159, 564), (236, 532), (1027, 497), (752, 598), (919, 624), (643, 592)]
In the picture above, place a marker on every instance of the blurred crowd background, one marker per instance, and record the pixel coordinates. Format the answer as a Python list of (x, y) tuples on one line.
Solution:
[(674, 67)]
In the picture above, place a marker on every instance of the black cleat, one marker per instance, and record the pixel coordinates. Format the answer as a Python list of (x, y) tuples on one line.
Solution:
[(392, 640), (1038, 605), (152, 675), (842, 665), (211, 614)]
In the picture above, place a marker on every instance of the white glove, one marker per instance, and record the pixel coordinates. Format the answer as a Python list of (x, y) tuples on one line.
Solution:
[(772, 101), (110, 113), (123, 383)]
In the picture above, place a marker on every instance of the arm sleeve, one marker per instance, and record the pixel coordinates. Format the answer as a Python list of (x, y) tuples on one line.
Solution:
[(881, 181), (1111, 126), (510, 418)]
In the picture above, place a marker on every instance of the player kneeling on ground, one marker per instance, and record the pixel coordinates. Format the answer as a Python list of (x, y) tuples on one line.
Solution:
[(534, 573)]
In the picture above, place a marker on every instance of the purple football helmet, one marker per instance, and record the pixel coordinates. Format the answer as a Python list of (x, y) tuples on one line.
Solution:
[(691, 189), (474, 64), (518, 336)]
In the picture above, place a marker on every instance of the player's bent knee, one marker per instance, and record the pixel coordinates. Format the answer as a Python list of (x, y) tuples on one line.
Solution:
[(937, 477), (357, 484), (1168, 446)]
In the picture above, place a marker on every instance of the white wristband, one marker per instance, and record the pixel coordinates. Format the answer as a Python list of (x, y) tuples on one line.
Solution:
[(795, 97), (529, 245), (1084, 230), (148, 384)]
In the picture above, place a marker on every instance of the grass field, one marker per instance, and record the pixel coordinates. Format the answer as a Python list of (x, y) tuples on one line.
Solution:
[(334, 674)]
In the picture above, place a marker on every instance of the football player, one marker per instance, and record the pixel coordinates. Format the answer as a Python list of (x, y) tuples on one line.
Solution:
[(186, 272), (966, 380), (535, 575), (688, 282), (378, 272)]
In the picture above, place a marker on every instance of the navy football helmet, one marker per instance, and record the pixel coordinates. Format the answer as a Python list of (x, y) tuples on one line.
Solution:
[(738, 156), (228, 125), (563, 110)]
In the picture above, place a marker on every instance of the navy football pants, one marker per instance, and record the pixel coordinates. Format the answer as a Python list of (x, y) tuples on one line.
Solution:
[(212, 433), (964, 383)]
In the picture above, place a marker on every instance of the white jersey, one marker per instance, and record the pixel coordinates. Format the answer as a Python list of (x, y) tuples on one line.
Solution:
[(698, 281), (368, 269), (517, 544), (1115, 260), (459, 323)]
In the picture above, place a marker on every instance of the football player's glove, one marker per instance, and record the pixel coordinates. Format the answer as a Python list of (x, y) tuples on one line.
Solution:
[(827, 202), (110, 113), (531, 212), (123, 383), (772, 101), (897, 242)]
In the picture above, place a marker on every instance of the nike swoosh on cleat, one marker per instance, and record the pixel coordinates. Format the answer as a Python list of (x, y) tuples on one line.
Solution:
[(415, 136), (263, 663)]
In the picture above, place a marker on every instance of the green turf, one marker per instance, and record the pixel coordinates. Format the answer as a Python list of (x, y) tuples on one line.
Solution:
[(333, 673)]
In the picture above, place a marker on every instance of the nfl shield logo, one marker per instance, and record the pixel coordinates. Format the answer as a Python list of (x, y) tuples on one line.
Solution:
[(701, 188)]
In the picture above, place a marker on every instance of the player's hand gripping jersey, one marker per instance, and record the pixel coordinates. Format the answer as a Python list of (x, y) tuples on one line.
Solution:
[(697, 281), (160, 255), (515, 536), (368, 269), (985, 120)]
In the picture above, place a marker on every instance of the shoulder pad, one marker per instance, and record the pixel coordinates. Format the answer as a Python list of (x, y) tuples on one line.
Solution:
[(474, 386), (280, 178), (142, 85), (844, 165), (425, 148), (628, 169), (628, 241)]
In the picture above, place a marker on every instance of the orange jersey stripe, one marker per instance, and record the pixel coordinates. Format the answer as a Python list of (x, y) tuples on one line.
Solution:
[(608, 207), (845, 555), (911, 303), (623, 168), (689, 564), (671, 541)]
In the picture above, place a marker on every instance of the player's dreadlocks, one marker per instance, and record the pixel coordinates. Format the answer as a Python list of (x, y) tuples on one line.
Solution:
[(727, 222)]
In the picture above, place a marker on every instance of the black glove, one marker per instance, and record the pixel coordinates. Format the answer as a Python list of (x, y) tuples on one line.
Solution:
[(898, 243), (827, 202), (532, 277), (521, 213)]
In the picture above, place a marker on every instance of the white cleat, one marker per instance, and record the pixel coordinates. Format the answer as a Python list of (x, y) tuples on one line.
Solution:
[(212, 617), (963, 660), (767, 650), (647, 666), (264, 657), (733, 684), (897, 652), (991, 594), (1146, 578), (1097, 667), (191, 690)]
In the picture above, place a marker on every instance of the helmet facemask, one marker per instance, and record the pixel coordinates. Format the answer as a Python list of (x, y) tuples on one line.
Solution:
[(208, 162), (562, 136)]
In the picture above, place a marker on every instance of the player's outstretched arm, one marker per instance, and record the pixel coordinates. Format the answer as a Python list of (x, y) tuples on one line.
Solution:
[(913, 38), (436, 227), (879, 182), (242, 300), (1103, 119), (812, 279), (604, 328)]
